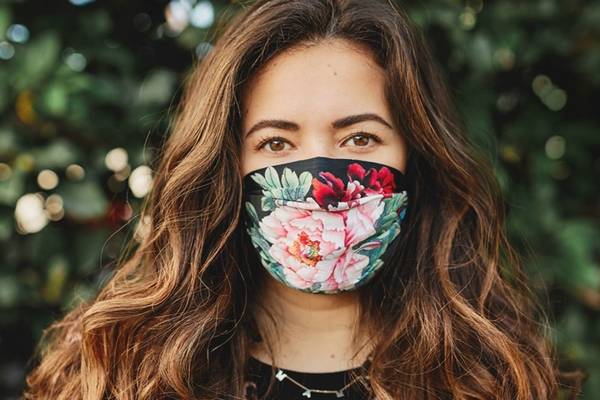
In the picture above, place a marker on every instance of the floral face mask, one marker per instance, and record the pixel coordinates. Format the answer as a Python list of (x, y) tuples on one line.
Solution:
[(324, 225)]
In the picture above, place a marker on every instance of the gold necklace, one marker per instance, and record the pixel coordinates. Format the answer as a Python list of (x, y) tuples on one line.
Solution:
[(339, 393)]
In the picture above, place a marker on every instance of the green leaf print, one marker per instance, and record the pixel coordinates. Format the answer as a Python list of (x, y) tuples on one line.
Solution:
[(289, 179), (389, 214), (253, 230), (291, 187), (258, 178), (305, 179), (267, 203), (272, 178), (251, 211)]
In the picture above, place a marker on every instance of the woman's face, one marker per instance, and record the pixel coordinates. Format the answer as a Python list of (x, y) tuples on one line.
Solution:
[(327, 100)]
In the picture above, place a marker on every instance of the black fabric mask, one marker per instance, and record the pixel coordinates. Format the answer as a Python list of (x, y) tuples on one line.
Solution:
[(324, 225)]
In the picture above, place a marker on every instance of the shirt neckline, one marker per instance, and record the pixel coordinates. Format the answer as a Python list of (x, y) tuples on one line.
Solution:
[(264, 365)]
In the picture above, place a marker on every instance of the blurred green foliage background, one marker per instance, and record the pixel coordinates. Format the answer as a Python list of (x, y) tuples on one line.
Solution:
[(86, 90)]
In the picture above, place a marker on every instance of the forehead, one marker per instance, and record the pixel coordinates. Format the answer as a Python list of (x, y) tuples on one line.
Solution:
[(334, 78)]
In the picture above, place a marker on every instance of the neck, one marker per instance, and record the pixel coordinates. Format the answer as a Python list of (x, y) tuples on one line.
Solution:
[(309, 332)]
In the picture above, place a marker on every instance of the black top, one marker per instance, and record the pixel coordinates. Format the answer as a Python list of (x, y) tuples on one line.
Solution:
[(259, 374)]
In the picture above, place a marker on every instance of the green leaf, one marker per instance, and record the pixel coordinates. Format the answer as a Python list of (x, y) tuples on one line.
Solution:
[(251, 210), (267, 203), (305, 182), (258, 178), (289, 178), (272, 178)]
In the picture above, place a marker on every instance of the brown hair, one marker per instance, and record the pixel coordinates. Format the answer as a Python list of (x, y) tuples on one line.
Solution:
[(455, 315)]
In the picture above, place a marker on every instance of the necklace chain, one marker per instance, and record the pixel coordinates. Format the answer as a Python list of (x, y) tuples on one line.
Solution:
[(308, 391)]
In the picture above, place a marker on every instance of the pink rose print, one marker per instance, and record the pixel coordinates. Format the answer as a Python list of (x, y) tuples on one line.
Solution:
[(316, 245)]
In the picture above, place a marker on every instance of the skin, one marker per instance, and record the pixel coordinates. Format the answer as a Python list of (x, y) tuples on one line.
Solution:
[(312, 87)]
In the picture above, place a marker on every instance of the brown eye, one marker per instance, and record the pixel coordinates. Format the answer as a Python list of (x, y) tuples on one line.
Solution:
[(276, 145), (360, 140)]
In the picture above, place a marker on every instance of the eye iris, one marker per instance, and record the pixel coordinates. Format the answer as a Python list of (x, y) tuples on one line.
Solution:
[(361, 139), (276, 148)]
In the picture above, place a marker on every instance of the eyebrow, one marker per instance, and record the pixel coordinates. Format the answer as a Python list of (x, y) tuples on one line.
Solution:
[(337, 124)]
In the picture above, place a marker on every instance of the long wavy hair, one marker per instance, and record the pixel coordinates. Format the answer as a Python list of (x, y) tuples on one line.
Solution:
[(454, 314)]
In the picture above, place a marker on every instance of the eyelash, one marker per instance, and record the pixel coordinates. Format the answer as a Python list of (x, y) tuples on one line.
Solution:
[(359, 133)]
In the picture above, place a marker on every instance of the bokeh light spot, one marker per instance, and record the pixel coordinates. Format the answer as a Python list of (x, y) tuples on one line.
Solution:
[(47, 179), (30, 214), (116, 159), (555, 147), (17, 33), (140, 181), (75, 172), (202, 15), (6, 50)]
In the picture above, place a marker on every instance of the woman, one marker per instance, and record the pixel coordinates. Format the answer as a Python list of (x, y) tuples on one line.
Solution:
[(320, 226)]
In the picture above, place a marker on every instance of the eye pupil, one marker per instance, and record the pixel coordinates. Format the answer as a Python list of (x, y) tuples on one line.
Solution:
[(276, 148), (361, 139)]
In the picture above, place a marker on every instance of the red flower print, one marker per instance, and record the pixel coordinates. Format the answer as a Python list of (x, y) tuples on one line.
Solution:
[(333, 189), (356, 172), (374, 181), (330, 192)]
